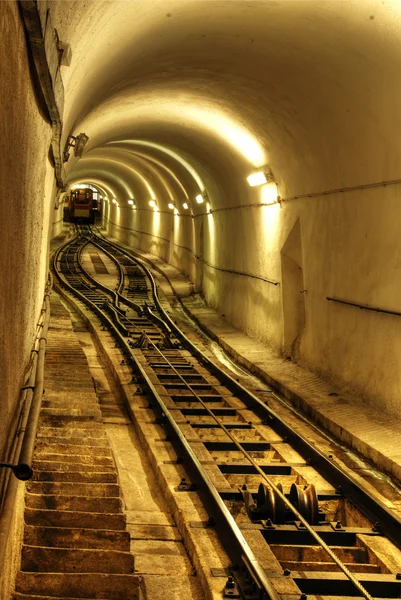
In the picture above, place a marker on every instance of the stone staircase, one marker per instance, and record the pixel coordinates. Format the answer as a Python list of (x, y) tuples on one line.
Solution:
[(75, 541)]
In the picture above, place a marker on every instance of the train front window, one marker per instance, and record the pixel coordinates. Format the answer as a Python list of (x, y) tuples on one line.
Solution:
[(82, 197)]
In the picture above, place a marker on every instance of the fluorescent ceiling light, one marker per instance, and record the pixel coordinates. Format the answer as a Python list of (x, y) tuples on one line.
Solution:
[(185, 205)]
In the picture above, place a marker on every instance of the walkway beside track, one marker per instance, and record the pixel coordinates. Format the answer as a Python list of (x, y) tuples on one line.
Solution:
[(369, 431), (75, 540)]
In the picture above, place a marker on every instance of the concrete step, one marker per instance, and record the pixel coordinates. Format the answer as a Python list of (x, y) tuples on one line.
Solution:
[(47, 420), (70, 396), (64, 467), (76, 441), (72, 412), (69, 537), (71, 503), (75, 560), (115, 521), (75, 476), (59, 448), (76, 403), (101, 490), (79, 585), (62, 431), (81, 385), (18, 596), (75, 459)]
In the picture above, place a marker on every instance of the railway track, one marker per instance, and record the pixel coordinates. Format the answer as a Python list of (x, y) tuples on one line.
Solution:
[(292, 521)]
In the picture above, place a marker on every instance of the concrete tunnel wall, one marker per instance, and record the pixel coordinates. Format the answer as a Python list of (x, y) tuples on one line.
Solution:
[(27, 187), (180, 97)]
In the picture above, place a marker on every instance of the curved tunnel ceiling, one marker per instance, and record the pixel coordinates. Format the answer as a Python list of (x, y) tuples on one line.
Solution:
[(190, 95)]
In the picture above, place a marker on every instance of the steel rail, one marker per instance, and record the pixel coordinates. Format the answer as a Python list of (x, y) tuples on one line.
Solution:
[(191, 455), (238, 546), (124, 299), (239, 447), (277, 490), (118, 294), (373, 508)]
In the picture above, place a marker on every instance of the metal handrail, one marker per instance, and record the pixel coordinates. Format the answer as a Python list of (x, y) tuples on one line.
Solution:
[(24, 466), (386, 311), (21, 454)]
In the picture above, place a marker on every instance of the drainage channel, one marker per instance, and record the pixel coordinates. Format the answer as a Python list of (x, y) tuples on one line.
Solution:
[(292, 522)]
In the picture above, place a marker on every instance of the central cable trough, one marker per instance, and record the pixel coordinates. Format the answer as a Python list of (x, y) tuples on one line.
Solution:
[(321, 532)]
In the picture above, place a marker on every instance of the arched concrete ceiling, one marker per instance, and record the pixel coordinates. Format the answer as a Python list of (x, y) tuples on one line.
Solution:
[(310, 88)]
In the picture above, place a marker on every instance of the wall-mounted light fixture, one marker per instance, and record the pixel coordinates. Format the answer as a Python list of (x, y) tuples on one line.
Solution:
[(185, 205), (131, 202), (152, 203), (258, 178), (171, 205), (269, 191), (201, 197), (114, 201)]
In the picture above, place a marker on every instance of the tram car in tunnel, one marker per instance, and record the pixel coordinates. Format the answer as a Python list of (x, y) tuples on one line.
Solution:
[(81, 206)]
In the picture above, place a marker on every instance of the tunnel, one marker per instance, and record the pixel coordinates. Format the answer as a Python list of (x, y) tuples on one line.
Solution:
[(250, 144)]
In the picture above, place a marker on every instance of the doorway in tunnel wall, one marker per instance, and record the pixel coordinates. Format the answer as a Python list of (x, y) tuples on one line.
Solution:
[(293, 297)]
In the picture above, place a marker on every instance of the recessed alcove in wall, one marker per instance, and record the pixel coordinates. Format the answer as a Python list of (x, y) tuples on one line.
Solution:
[(293, 296)]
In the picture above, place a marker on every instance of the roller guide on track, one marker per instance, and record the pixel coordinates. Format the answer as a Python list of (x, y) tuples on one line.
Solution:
[(270, 506)]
